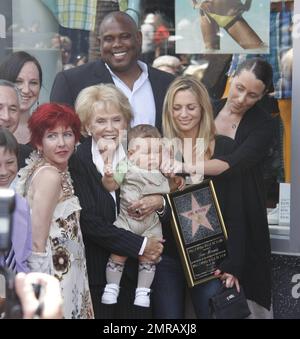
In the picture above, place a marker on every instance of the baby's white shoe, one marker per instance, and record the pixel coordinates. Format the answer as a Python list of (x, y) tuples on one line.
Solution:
[(142, 297), (110, 294)]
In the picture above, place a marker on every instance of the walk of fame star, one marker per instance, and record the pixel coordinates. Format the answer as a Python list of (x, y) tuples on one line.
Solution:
[(198, 216)]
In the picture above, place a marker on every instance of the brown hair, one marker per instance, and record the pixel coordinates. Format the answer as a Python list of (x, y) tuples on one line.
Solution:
[(8, 141), (143, 131)]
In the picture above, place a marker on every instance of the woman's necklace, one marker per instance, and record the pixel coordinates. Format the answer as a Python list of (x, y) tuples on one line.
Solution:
[(234, 124)]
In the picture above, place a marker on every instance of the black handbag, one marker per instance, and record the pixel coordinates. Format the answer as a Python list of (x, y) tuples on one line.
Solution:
[(229, 304)]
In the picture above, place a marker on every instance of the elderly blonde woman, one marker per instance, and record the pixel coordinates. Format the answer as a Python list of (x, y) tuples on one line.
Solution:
[(187, 114), (105, 114), (168, 63)]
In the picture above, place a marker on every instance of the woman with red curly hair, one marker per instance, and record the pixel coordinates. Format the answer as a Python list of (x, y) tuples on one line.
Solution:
[(57, 245)]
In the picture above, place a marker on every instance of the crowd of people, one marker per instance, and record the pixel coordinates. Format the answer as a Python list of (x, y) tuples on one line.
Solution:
[(94, 214)]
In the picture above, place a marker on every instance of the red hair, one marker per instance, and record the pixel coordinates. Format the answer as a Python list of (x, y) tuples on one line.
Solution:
[(49, 116)]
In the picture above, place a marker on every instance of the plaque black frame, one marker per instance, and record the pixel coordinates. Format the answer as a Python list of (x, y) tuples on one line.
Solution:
[(202, 247)]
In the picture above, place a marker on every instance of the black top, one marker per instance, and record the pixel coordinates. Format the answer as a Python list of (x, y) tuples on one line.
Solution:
[(69, 83), (229, 192), (252, 141), (23, 153)]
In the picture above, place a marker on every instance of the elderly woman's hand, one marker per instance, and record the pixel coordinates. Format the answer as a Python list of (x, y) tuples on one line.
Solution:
[(153, 249), (140, 209)]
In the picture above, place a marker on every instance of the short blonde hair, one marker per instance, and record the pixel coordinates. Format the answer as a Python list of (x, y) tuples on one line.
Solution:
[(207, 128), (165, 62), (107, 95)]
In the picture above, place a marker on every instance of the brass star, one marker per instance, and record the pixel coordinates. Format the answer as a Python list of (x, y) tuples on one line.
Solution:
[(198, 216)]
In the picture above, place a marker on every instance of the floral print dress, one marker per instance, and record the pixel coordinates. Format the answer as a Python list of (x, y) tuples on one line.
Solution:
[(65, 242)]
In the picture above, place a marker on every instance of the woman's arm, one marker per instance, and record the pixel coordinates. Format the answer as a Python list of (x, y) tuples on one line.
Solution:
[(46, 189), (215, 167), (247, 154)]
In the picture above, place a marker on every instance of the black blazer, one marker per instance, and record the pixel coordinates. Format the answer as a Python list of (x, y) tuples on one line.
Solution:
[(101, 237), (68, 84)]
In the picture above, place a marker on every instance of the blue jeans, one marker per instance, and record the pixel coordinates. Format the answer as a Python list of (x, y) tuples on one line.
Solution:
[(169, 288)]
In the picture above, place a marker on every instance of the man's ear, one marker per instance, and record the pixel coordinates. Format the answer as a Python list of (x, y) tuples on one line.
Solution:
[(98, 39)]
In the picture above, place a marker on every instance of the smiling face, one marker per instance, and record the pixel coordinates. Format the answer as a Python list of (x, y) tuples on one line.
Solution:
[(8, 167), (28, 82), (107, 123), (245, 91), (120, 43), (57, 146), (9, 108), (186, 113)]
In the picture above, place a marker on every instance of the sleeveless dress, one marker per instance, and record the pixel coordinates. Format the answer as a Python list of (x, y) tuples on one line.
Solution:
[(65, 242)]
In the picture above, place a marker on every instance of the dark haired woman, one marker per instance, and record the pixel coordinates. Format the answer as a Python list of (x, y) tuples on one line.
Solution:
[(56, 236), (241, 118), (25, 71)]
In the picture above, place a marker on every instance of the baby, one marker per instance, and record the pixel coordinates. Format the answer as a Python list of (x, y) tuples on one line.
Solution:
[(137, 176)]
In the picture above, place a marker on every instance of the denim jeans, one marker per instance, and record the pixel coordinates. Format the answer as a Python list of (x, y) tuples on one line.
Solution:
[(169, 288)]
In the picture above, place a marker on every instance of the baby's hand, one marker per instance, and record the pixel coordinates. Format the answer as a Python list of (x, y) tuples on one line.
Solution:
[(107, 149), (108, 170), (180, 182)]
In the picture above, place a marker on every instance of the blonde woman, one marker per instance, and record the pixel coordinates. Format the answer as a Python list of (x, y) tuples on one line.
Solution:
[(188, 115)]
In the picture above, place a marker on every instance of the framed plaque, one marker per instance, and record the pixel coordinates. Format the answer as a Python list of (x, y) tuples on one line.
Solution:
[(199, 230)]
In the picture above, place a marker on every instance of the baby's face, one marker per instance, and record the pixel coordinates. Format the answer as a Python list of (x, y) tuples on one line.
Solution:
[(145, 153)]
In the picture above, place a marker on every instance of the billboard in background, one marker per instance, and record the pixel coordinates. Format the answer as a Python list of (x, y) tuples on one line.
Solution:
[(5, 24), (222, 26)]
